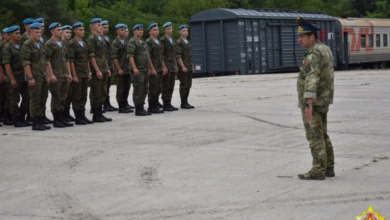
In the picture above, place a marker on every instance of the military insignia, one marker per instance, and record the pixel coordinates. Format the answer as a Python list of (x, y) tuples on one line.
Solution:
[(370, 215), (6, 57), (300, 29), (307, 68), (27, 56), (132, 50), (307, 62)]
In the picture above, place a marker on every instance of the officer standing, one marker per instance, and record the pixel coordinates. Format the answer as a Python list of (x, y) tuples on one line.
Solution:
[(156, 68), (16, 79), (5, 100), (107, 104), (26, 35), (66, 36), (35, 64), (121, 68), (59, 74), (185, 66), (170, 67), (138, 55), (100, 72), (315, 93), (42, 22), (79, 64)]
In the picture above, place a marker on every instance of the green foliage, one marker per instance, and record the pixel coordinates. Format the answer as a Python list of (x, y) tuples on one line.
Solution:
[(132, 12)]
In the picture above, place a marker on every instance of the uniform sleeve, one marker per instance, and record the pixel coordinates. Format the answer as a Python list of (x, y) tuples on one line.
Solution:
[(26, 54), (114, 50), (313, 70), (91, 47), (131, 49), (71, 52), (178, 49), (6, 55), (148, 44), (49, 52)]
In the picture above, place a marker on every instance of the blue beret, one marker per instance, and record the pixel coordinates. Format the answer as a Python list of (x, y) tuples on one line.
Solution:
[(78, 24), (54, 25), (66, 27), (5, 30), (35, 26), (96, 20), (138, 26), (168, 24), (120, 26), (28, 21), (152, 26), (126, 26), (12, 29), (38, 20), (105, 22), (183, 26)]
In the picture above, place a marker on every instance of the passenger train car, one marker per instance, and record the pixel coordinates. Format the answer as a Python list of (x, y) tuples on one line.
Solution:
[(240, 41)]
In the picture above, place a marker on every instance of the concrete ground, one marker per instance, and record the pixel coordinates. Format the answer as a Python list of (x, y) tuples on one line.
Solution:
[(235, 156)]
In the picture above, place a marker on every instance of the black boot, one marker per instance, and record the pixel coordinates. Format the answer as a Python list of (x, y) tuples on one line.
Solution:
[(103, 110), (123, 108), (85, 118), (96, 116), (129, 106), (57, 120), (8, 118), (37, 124), (167, 106), (46, 121), (67, 117), (67, 124), (159, 104), (107, 106), (173, 107), (184, 104), (79, 117), (1, 115), (17, 122), (42, 120), (188, 103), (153, 108), (22, 118), (104, 117), (28, 117), (140, 111)]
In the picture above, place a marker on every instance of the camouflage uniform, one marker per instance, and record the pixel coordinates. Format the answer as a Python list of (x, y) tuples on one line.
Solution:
[(97, 49), (156, 55), (140, 52), (123, 82), (23, 38), (168, 81), (79, 56), (69, 97), (315, 81), (11, 56), (5, 96), (110, 67), (183, 50), (58, 56), (36, 58)]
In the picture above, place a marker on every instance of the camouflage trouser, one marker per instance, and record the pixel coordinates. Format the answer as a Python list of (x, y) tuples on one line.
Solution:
[(98, 92), (168, 85), (68, 100), (5, 102), (59, 93), (155, 86), (140, 84), (38, 95), (185, 83), (319, 141), (15, 93), (79, 93), (123, 83)]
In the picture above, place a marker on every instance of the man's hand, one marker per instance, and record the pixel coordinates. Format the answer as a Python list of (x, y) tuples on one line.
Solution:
[(4, 78), (308, 113), (184, 69), (53, 79), (75, 79), (89, 77), (31, 82), (13, 83), (99, 75), (165, 70), (109, 73), (136, 72), (70, 78), (120, 72), (153, 72)]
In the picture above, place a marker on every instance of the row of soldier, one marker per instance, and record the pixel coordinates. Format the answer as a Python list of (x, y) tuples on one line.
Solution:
[(31, 67)]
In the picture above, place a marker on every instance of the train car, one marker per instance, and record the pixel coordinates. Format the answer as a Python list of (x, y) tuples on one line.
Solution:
[(229, 41), (362, 42)]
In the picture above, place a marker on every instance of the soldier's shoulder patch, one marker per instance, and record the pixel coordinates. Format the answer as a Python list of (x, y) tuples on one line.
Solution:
[(131, 50), (307, 67)]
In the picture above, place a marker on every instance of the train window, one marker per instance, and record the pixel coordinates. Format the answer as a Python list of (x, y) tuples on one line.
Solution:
[(378, 40), (363, 41), (370, 40), (385, 40)]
